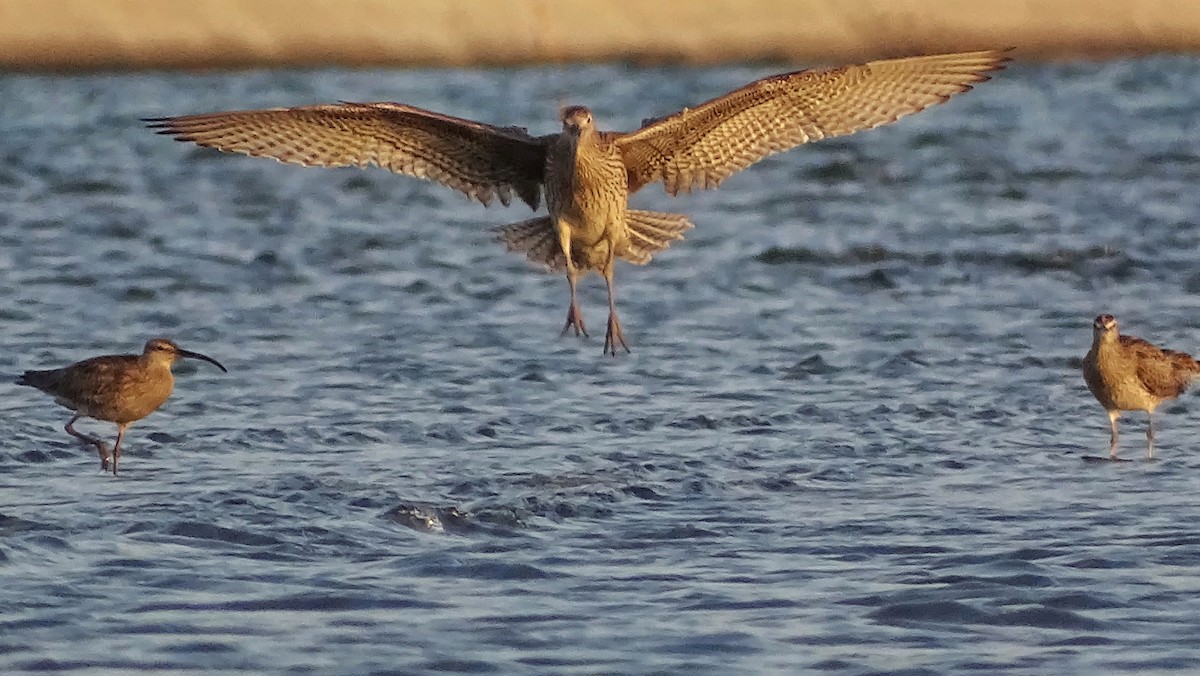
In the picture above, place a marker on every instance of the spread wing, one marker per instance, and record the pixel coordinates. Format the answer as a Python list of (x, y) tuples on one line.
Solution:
[(1164, 373), (702, 146), (476, 159)]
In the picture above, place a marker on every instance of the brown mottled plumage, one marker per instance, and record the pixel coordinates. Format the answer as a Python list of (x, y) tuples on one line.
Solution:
[(587, 174), (1129, 374), (119, 388)]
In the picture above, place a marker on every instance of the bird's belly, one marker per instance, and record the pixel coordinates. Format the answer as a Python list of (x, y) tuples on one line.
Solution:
[(1133, 398), (591, 222), (592, 200), (1117, 391), (132, 405)]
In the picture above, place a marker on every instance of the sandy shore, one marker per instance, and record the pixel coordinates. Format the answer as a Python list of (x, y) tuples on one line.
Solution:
[(132, 34)]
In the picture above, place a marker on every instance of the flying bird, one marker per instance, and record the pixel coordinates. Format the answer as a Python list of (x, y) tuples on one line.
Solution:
[(586, 174), (118, 388), (1125, 373)]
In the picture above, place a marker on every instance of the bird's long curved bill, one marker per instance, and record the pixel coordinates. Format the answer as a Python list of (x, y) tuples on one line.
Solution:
[(202, 357)]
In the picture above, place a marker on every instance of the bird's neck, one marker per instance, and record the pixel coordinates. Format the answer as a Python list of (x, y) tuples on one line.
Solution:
[(586, 152), (156, 363), (1107, 349), (573, 141)]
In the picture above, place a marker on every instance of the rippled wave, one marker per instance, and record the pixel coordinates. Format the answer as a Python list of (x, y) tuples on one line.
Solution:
[(847, 438)]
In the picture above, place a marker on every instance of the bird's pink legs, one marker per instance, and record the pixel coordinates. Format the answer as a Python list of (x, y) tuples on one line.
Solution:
[(614, 335), (88, 439), (574, 316), (1150, 435), (116, 455)]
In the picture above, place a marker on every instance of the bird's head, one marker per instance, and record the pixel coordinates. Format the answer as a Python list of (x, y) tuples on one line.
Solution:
[(576, 120), (164, 351), (1104, 327)]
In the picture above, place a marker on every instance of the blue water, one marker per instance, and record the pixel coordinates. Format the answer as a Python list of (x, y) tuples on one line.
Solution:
[(847, 439)]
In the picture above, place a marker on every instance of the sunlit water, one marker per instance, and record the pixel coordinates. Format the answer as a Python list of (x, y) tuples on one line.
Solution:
[(847, 439)]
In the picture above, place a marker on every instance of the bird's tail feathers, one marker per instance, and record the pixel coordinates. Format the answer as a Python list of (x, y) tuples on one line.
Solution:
[(537, 239), (651, 232), (30, 379)]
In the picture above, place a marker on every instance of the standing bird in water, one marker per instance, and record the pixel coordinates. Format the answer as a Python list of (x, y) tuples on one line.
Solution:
[(588, 174), (119, 388), (1129, 374)]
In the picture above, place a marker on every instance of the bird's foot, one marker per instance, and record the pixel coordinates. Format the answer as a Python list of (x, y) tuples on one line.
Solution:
[(102, 450), (574, 321), (95, 442), (614, 336)]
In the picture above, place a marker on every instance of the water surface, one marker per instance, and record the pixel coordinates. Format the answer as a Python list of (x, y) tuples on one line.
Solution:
[(847, 439)]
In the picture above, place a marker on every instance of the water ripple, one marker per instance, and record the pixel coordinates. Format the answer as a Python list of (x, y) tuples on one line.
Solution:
[(847, 439)]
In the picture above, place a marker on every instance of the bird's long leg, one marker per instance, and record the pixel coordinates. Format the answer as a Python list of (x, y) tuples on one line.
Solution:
[(89, 439), (574, 316), (1112, 440), (1150, 436), (117, 447), (614, 335)]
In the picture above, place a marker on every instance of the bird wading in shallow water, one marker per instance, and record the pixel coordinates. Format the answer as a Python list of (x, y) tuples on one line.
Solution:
[(587, 174), (118, 388), (1129, 374)]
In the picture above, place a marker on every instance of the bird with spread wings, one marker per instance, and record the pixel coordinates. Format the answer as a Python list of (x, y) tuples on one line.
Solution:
[(586, 174)]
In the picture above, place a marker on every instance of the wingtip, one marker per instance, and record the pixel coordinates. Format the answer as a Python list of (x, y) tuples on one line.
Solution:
[(999, 58), (163, 126), (1005, 56), (160, 125)]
